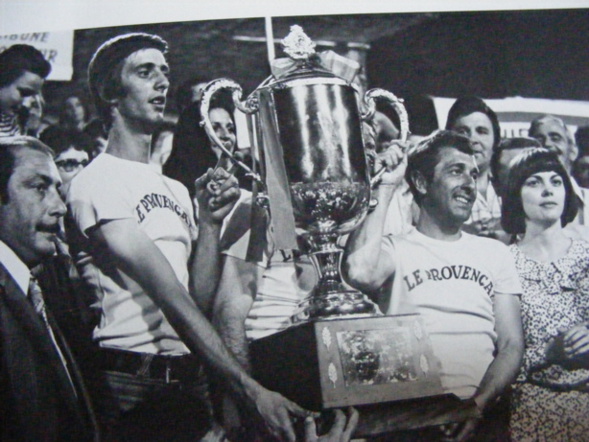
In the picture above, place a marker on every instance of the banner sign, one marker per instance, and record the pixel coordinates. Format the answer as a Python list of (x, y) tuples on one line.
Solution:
[(57, 48)]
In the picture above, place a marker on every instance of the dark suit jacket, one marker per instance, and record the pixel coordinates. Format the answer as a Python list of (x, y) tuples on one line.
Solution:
[(37, 401)]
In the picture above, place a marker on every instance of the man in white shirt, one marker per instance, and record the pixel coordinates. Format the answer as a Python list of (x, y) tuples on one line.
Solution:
[(465, 287), (154, 275)]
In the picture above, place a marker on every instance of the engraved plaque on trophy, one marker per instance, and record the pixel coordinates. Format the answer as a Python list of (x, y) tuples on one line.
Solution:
[(340, 350)]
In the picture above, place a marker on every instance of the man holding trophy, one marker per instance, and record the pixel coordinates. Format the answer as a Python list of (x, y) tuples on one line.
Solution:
[(135, 241), (464, 287)]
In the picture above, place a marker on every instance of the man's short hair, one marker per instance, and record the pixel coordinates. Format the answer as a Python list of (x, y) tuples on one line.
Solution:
[(467, 105), (8, 148), (60, 140), (524, 165), (423, 157), (538, 121), (510, 144), (18, 59), (104, 70)]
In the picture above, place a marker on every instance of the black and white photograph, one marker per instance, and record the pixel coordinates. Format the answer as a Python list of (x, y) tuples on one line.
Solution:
[(294, 221)]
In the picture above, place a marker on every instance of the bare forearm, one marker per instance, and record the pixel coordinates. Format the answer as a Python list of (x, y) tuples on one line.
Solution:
[(500, 374), (229, 320), (233, 302), (205, 267), (362, 264), (510, 349)]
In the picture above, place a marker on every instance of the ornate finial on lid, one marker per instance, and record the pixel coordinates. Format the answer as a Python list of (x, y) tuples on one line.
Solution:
[(297, 44)]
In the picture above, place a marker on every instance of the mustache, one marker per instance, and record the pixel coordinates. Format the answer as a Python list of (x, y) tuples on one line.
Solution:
[(49, 228)]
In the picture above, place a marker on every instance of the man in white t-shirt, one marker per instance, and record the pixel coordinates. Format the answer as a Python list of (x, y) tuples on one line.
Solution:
[(465, 287), (154, 276)]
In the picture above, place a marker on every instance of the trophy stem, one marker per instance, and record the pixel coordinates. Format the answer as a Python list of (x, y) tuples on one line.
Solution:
[(331, 298)]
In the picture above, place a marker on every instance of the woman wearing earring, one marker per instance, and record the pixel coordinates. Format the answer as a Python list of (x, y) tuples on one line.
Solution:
[(551, 395)]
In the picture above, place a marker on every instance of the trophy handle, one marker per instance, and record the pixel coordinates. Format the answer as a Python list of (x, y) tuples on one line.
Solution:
[(249, 106), (396, 103)]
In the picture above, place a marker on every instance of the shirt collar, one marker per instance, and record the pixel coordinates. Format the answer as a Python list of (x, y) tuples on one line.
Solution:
[(17, 269)]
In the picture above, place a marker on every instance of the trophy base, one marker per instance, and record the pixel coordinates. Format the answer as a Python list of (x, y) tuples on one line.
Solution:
[(382, 365), (348, 361)]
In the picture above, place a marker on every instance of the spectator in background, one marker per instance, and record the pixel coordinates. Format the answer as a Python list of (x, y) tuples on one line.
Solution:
[(96, 131), (581, 164), (22, 73), (470, 116), (31, 115), (193, 152), (554, 135), (72, 152), (507, 149), (550, 397), (73, 114)]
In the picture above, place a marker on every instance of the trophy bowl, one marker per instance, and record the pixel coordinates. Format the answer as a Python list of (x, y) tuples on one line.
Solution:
[(307, 128)]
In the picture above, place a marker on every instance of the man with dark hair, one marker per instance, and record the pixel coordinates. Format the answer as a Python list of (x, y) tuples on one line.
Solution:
[(502, 156), (464, 287), (22, 73), (42, 396), (152, 271), (471, 117)]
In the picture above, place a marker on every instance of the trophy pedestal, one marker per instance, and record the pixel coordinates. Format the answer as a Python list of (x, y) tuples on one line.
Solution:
[(383, 365)]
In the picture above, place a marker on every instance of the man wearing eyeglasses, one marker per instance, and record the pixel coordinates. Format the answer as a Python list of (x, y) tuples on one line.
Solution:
[(72, 152)]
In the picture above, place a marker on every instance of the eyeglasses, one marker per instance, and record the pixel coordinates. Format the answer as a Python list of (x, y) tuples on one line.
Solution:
[(71, 164)]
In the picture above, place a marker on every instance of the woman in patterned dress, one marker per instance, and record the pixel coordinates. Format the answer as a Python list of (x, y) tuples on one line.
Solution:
[(551, 395)]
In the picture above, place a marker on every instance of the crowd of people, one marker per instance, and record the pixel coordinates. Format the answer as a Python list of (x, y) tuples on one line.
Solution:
[(128, 296)]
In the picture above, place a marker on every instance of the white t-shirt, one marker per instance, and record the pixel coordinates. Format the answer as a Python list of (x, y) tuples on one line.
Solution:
[(111, 188), (285, 282), (452, 284)]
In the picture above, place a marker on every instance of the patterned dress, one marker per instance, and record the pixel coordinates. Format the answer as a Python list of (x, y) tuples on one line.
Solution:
[(550, 401)]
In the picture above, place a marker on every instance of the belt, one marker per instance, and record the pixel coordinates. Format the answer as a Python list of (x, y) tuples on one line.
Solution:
[(168, 368)]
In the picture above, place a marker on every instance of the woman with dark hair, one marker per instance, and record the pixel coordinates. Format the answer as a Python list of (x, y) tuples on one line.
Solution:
[(551, 394), (192, 151), (471, 117)]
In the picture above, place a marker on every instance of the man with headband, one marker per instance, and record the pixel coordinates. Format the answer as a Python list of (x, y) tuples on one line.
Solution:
[(136, 243), (464, 287)]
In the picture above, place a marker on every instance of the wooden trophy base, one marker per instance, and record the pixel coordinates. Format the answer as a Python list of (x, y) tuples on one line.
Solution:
[(383, 365)]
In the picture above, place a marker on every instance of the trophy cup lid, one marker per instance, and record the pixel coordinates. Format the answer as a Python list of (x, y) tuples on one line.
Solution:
[(302, 62)]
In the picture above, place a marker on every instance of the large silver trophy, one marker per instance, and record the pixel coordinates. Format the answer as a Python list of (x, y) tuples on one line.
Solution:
[(315, 177), (309, 126)]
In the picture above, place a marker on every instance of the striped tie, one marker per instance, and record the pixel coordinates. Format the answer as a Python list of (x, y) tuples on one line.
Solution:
[(35, 296)]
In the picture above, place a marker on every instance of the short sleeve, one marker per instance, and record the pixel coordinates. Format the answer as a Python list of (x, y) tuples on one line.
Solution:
[(94, 199), (507, 280)]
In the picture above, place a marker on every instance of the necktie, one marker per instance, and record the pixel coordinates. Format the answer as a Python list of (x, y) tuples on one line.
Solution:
[(35, 296)]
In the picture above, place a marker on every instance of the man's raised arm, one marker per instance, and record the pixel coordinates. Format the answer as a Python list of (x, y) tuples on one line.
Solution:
[(363, 265)]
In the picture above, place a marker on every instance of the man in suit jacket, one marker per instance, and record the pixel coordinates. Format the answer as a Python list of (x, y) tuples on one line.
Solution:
[(42, 396)]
